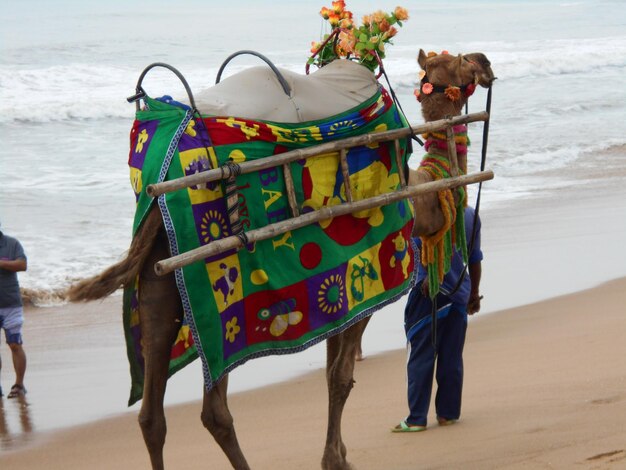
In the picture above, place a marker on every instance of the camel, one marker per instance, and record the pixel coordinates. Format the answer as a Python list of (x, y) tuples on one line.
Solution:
[(444, 73), (161, 311), (441, 70)]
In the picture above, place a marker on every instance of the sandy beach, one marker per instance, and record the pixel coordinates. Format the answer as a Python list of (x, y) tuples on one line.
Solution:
[(545, 388)]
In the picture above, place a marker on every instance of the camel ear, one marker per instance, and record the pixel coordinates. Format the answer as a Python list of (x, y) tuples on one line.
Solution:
[(421, 59), (460, 62)]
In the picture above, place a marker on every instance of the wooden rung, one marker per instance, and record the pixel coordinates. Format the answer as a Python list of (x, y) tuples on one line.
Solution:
[(327, 212), (291, 192), (399, 163), (345, 171), (272, 161)]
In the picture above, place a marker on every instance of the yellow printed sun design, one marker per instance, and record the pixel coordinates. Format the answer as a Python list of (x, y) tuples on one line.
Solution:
[(232, 329), (213, 226), (342, 125), (331, 294)]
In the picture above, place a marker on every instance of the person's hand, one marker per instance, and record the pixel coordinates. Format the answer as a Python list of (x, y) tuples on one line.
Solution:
[(473, 305)]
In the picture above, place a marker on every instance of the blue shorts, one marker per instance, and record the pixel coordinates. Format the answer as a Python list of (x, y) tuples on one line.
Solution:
[(11, 320)]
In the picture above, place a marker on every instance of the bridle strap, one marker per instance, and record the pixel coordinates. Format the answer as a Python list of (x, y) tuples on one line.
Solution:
[(442, 88)]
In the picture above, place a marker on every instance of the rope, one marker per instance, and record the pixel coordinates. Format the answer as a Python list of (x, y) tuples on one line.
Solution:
[(231, 195), (397, 102), (243, 237)]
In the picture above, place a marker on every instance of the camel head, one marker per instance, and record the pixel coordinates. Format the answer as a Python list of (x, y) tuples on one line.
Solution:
[(448, 81)]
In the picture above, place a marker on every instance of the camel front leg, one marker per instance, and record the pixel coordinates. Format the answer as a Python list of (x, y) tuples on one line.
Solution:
[(340, 360), (160, 312), (217, 419)]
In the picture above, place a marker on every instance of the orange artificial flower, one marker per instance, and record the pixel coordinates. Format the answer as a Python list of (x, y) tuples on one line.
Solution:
[(339, 6), (392, 32), (432, 54), (401, 13), (347, 41), (346, 23), (453, 93), (333, 19), (378, 16), (366, 20), (384, 25), (416, 92), (315, 46), (325, 12), (427, 88)]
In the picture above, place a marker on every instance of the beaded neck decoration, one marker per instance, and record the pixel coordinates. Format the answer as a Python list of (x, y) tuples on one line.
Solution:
[(438, 140), (438, 248)]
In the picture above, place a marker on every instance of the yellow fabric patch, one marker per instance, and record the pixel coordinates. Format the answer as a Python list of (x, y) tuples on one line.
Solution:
[(364, 279), (225, 276)]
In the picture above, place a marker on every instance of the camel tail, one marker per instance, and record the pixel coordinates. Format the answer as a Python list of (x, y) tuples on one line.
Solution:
[(123, 273)]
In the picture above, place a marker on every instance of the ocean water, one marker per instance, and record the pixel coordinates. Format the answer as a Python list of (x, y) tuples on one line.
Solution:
[(67, 66)]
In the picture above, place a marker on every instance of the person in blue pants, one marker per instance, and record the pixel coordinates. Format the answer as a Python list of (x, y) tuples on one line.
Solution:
[(458, 297)]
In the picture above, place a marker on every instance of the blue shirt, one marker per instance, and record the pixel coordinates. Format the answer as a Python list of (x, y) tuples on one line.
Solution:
[(10, 249), (457, 267)]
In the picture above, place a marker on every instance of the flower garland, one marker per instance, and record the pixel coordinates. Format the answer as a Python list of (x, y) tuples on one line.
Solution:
[(364, 43)]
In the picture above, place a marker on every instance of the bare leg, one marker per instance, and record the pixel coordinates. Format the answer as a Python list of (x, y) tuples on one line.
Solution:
[(19, 362), (160, 313), (217, 419), (339, 368)]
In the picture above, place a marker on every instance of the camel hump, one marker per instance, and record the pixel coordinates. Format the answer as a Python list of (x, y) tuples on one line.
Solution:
[(256, 93)]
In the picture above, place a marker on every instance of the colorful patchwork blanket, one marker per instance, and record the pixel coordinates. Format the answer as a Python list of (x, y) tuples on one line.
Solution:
[(286, 293)]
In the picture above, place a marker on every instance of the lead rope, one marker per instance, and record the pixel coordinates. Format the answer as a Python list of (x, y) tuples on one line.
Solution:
[(413, 136), (483, 161)]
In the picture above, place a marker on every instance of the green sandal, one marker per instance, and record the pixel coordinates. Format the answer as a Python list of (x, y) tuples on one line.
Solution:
[(405, 427)]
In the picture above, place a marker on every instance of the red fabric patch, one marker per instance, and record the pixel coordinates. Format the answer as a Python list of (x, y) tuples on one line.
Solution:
[(347, 230), (310, 255), (396, 262), (262, 308)]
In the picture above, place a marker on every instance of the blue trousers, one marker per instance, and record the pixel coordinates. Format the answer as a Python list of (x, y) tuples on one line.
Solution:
[(448, 356)]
